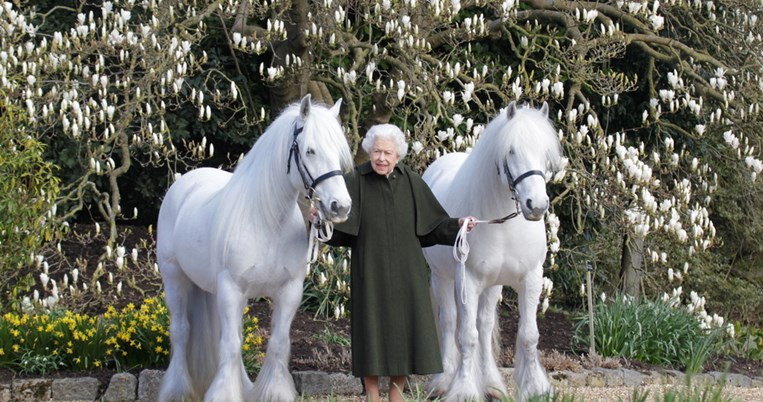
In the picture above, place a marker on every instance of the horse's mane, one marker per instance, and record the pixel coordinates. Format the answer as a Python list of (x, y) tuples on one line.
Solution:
[(529, 132), (255, 193)]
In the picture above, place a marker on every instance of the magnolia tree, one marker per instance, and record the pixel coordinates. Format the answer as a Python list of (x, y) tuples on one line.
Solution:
[(103, 86), (656, 102)]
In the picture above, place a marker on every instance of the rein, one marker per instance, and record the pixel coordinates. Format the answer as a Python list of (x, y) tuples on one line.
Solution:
[(320, 230)]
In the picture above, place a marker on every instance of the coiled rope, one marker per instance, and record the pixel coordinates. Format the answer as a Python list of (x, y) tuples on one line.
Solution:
[(461, 249), (320, 231)]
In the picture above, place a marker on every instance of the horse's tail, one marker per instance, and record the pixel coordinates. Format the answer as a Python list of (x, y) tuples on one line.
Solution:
[(203, 338)]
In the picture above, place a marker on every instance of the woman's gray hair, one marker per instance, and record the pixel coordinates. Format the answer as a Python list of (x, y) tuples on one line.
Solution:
[(388, 132)]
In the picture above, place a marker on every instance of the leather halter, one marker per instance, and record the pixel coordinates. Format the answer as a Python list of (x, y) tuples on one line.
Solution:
[(308, 181)]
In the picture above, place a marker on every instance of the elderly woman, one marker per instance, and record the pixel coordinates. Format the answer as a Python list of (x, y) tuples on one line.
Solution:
[(394, 214)]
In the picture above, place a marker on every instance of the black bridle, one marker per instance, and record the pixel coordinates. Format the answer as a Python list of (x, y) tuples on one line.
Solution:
[(513, 182), (309, 182)]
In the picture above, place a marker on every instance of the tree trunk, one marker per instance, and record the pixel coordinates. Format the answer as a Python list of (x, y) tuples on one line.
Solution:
[(630, 266)]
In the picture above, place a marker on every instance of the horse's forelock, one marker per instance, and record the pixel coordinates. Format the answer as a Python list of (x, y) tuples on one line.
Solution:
[(324, 132), (530, 132)]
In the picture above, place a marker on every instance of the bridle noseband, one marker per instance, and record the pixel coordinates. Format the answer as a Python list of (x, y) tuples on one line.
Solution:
[(308, 181)]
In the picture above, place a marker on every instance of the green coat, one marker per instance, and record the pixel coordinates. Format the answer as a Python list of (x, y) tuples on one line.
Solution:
[(393, 328)]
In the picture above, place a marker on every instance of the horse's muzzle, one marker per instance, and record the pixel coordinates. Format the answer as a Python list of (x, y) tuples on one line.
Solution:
[(336, 211), (534, 211)]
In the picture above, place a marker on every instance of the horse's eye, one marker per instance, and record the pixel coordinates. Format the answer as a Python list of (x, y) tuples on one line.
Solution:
[(310, 151)]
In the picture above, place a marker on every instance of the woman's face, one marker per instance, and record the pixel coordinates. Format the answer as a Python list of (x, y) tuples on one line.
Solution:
[(384, 156)]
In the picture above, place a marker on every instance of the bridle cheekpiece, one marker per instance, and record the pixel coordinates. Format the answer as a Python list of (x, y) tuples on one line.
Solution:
[(308, 181)]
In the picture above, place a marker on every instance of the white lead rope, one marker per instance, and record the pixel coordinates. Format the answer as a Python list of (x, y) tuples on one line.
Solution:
[(461, 253), (461, 250), (320, 231)]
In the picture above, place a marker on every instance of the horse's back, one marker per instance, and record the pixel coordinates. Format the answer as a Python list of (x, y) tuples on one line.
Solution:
[(439, 175), (185, 198)]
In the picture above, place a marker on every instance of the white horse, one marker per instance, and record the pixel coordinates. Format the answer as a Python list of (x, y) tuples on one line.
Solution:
[(224, 238), (504, 174)]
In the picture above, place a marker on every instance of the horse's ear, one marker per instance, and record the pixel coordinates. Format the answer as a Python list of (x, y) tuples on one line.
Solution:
[(544, 109), (335, 109), (511, 110), (304, 106)]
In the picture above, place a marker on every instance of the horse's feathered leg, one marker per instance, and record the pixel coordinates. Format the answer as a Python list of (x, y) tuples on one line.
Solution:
[(177, 384), (528, 372), (274, 381), (229, 382), (445, 308), (466, 385), (486, 322)]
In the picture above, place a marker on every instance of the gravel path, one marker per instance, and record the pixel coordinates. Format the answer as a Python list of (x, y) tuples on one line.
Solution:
[(609, 394), (625, 394)]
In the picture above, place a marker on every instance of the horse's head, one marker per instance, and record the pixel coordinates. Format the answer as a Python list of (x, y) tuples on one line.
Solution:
[(533, 153), (320, 153)]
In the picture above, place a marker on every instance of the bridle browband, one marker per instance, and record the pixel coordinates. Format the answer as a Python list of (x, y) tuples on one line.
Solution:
[(303, 172)]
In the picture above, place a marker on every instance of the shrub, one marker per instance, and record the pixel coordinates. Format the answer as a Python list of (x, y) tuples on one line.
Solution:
[(747, 343), (655, 332), (27, 190)]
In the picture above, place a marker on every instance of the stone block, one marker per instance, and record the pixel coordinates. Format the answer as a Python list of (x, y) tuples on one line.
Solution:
[(75, 389), (611, 377), (32, 389), (311, 383), (568, 379), (672, 377), (731, 379), (122, 387), (5, 392), (149, 382), (632, 378), (595, 379)]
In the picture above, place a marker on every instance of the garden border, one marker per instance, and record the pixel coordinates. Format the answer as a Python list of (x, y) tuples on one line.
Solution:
[(127, 387)]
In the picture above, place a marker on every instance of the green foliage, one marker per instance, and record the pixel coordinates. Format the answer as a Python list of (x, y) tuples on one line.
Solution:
[(28, 190), (32, 363), (122, 339), (655, 332), (747, 343), (333, 338), (326, 288), (729, 293)]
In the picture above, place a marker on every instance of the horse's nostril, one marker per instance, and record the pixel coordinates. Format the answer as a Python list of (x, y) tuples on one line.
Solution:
[(529, 204), (334, 206)]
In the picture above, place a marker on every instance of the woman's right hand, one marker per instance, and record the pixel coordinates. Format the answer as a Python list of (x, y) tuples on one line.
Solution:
[(313, 216)]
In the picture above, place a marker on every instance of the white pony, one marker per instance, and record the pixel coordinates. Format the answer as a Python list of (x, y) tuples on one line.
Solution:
[(223, 238), (504, 174)]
